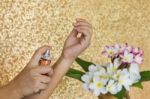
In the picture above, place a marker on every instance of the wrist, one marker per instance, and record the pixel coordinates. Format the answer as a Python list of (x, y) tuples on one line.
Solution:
[(66, 57), (14, 90)]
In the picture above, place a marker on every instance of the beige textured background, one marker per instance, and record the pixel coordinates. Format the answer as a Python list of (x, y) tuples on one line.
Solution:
[(26, 25)]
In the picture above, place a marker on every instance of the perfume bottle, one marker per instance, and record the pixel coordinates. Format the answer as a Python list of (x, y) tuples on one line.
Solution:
[(45, 59)]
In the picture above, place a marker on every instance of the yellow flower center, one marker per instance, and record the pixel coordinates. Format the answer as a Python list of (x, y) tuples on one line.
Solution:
[(91, 81), (126, 58), (98, 85), (102, 77), (108, 88), (118, 75), (110, 52), (114, 68)]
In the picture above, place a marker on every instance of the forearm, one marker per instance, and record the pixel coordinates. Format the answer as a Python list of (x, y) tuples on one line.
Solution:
[(60, 69), (9, 92), (73, 46)]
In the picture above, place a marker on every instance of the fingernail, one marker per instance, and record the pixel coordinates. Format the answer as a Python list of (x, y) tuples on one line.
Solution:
[(74, 24)]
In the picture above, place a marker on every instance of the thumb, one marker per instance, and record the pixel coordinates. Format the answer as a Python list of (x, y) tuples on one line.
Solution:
[(73, 33), (37, 55)]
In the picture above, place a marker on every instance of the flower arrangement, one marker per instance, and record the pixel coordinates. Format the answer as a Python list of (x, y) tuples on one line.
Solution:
[(115, 77)]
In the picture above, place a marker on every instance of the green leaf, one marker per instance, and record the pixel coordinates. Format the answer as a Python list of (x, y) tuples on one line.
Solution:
[(76, 74), (145, 76), (120, 94), (138, 84), (84, 64)]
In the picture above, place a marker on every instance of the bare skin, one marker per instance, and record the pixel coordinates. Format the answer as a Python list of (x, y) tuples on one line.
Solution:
[(32, 80), (72, 48)]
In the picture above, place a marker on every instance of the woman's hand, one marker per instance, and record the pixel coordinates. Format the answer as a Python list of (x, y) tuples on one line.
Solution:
[(32, 79), (78, 40), (73, 46)]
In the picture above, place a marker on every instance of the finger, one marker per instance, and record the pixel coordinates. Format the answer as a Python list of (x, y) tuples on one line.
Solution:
[(82, 24), (38, 54), (86, 35), (84, 30), (73, 33), (43, 79), (42, 86), (80, 19), (85, 41), (40, 70)]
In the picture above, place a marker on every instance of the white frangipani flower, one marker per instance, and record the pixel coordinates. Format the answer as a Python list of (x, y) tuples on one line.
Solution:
[(97, 70), (110, 51), (98, 86), (101, 69), (102, 75), (112, 87), (134, 72), (112, 67), (123, 79), (127, 57), (92, 68), (88, 79), (134, 68)]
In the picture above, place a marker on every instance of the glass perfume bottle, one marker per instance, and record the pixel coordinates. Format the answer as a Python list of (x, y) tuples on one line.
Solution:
[(45, 59)]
